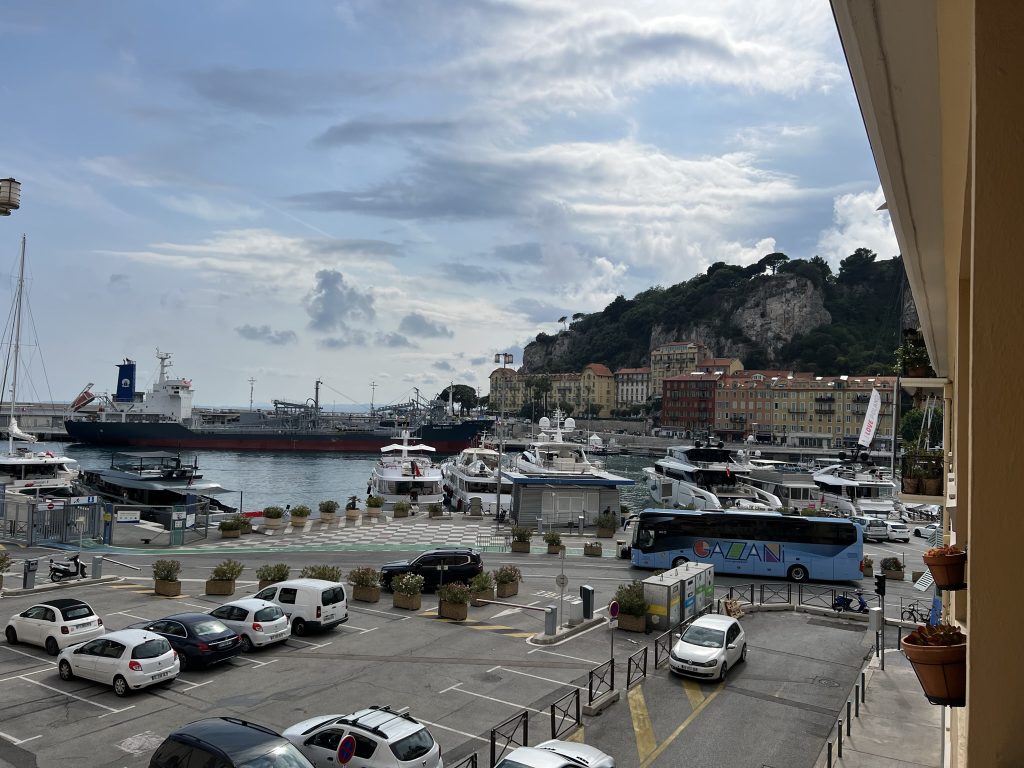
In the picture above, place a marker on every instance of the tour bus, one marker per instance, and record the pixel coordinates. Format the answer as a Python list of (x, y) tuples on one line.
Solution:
[(749, 544)]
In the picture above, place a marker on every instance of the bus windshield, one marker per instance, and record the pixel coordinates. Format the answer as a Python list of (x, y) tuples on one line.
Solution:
[(799, 548)]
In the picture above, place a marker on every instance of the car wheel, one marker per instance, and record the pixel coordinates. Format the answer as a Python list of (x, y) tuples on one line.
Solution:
[(51, 646), (679, 561), (121, 686), (65, 670), (798, 573), (247, 645), (299, 628), (182, 662), (12, 635), (724, 673), (743, 653)]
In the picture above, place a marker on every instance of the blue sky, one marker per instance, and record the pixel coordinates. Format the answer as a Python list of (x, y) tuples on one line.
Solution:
[(394, 191)]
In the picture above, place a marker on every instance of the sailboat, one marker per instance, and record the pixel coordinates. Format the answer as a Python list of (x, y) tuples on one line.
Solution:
[(22, 470)]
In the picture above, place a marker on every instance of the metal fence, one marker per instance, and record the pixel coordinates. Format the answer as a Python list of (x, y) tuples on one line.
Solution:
[(822, 597), (566, 714), (469, 761), (34, 521), (776, 594), (636, 667), (505, 735), (600, 680)]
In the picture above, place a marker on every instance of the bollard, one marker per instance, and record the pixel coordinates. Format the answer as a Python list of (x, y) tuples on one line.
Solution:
[(587, 596), (97, 566), (848, 720), (830, 754), (839, 751), (550, 621), (856, 700), (863, 688), (575, 612)]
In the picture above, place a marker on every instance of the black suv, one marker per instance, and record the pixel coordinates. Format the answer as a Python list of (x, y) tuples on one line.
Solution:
[(436, 566), (227, 742)]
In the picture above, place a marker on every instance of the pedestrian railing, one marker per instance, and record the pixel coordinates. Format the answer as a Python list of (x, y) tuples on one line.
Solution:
[(822, 597), (566, 714), (776, 594), (600, 680), (512, 733), (636, 667)]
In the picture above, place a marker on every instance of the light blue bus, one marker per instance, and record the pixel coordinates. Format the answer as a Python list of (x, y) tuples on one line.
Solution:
[(750, 544)]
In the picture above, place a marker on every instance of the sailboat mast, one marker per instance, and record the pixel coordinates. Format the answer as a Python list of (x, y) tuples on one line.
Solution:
[(17, 345)]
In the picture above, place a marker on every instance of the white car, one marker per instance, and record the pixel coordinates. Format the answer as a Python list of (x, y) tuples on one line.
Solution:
[(257, 622), (55, 624), (385, 738), (128, 660), (898, 531), (557, 754), (709, 647), (926, 530)]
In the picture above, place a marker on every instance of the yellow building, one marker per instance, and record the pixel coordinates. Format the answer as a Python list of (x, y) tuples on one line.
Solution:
[(941, 91), (506, 394), (672, 359), (597, 390)]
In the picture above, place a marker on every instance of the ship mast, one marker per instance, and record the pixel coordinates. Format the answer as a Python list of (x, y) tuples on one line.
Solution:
[(17, 345)]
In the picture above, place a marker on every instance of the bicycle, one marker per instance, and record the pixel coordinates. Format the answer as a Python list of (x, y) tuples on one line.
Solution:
[(916, 613)]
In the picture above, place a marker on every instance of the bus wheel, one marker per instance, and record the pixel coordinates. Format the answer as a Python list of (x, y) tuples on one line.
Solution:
[(679, 561), (798, 573)]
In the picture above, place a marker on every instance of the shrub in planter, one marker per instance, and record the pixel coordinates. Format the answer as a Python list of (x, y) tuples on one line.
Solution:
[(632, 607), (352, 508), (434, 510), (165, 577), (592, 549), (869, 566), (482, 588), (408, 591), (947, 565), (508, 578), (374, 504), (892, 568), (328, 509), (365, 584), (244, 523), (223, 576), (272, 516), (401, 508), (939, 657), (230, 528), (271, 574), (452, 601), (554, 541), (321, 571), (606, 524), (300, 514), (521, 538)]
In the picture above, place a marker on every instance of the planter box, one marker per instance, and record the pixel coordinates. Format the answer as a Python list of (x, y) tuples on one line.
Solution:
[(406, 602), (437, 513), (220, 587), (167, 588), (869, 571), (632, 623), (373, 511), (272, 523), (941, 670), (245, 529), (520, 546), (366, 594), (592, 550), (327, 517), (352, 514), (555, 549), (948, 570), (605, 533), (452, 611), (400, 513), (911, 485), (931, 486), (893, 575), (508, 590), (230, 534), (299, 522), (478, 596), (264, 583)]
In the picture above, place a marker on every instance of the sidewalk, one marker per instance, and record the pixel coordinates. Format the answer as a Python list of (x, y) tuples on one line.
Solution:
[(897, 727)]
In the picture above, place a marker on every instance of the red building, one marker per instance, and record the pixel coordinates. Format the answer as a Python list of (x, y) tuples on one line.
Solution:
[(688, 402)]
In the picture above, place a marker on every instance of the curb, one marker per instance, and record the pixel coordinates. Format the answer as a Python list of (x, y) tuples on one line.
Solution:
[(541, 639), (51, 586)]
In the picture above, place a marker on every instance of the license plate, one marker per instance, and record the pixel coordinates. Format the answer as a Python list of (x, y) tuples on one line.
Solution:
[(279, 635), (160, 675)]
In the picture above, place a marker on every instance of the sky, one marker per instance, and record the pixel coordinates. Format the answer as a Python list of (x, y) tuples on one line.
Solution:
[(390, 192)]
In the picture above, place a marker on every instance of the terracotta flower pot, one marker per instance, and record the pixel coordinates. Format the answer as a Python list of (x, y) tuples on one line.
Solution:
[(520, 546), (628, 623), (220, 587), (941, 670), (167, 588), (452, 611), (366, 594), (352, 514), (947, 570), (511, 589), (407, 602)]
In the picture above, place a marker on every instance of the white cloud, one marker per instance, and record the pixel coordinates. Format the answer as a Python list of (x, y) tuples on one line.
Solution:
[(210, 210), (857, 223)]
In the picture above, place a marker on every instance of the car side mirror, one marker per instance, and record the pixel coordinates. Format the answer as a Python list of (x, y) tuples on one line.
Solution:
[(679, 636), (731, 646)]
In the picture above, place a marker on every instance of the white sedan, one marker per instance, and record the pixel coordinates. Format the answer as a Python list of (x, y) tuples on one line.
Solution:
[(128, 660), (557, 754), (257, 622), (54, 624), (709, 647), (926, 531)]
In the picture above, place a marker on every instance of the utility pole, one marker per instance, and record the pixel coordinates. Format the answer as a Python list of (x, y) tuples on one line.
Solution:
[(373, 390), (252, 382)]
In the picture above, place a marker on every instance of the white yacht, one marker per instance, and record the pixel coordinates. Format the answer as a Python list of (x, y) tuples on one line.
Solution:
[(405, 472), (852, 490), (703, 477), (471, 481), (552, 455)]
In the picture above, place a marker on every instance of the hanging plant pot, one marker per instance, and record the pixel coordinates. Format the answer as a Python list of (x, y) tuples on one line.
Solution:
[(947, 568), (941, 670)]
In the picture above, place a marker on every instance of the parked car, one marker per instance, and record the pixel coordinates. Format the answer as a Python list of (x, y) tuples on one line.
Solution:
[(898, 530), (257, 622), (926, 531), (458, 563), (128, 660), (199, 639), (557, 754), (309, 604), (709, 647), (872, 528), (385, 738), (227, 742), (55, 624)]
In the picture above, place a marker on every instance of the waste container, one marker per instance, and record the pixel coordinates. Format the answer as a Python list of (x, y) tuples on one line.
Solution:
[(28, 573)]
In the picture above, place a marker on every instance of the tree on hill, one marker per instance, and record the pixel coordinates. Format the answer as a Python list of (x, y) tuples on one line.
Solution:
[(463, 394)]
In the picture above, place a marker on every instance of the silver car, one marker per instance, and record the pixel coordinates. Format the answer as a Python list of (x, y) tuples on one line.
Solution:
[(557, 754), (257, 622)]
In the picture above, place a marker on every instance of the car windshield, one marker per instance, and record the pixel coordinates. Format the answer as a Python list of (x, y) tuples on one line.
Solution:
[(269, 613), (209, 627), (705, 637), (333, 596), (281, 756), (151, 649), (413, 746), (77, 612)]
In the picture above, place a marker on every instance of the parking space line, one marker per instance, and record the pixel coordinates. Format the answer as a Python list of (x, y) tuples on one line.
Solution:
[(353, 626), (565, 656), (253, 661), (682, 726), (360, 609), (31, 656), (694, 692), (643, 729), (450, 688), (16, 741), (110, 710), (314, 646), (454, 730), (538, 677), (131, 615), (204, 606), (15, 677), (491, 698), (190, 684)]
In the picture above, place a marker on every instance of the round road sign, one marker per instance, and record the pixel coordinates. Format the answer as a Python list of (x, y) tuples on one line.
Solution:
[(561, 580), (613, 609), (49, 505), (346, 748)]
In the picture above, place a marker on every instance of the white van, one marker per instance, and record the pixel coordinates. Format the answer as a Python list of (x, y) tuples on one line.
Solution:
[(310, 604)]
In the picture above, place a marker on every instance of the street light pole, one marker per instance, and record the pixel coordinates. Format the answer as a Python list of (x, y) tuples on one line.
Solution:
[(505, 358)]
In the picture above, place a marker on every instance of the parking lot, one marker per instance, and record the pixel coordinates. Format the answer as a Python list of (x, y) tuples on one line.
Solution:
[(460, 679)]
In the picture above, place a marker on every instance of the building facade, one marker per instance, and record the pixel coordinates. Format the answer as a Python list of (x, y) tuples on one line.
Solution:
[(672, 359), (632, 386), (688, 402)]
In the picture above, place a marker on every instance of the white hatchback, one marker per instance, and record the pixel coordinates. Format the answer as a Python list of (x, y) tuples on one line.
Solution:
[(557, 754), (257, 622), (55, 624), (709, 647), (128, 660)]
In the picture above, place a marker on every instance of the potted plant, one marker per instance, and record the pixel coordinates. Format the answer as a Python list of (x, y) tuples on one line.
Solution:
[(300, 514), (321, 571), (244, 523), (947, 565), (272, 517), (592, 549), (939, 656), (632, 607), (165, 577), (374, 504), (365, 584), (453, 601), (5, 563), (435, 510), (328, 510), (408, 591), (222, 577), (869, 566), (507, 578), (230, 528), (482, 588), (554, 541), (892, 568), (912, 357), (521, 538), (606, 524), (401, 509), (352, 508), (271, 574), (910, 479)]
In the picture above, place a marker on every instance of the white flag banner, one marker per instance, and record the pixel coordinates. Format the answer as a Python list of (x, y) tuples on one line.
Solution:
[(867, 431)]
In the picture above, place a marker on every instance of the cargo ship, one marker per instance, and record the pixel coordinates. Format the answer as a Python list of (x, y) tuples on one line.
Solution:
[(164, 418)]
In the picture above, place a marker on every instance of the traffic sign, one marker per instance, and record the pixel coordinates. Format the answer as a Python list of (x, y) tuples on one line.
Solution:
[(613, 609), (346, 748), (561, 580)]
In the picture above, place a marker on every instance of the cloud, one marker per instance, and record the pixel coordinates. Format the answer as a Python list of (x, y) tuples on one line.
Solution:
[(536, 311), (442, 365), (394, 340), (332, 304), (267, 335), (478, 360), (520, 253), (858, 223), (472, 273), (416, 324), (210, 210), (352, 338), (118, 279), (370, 131)]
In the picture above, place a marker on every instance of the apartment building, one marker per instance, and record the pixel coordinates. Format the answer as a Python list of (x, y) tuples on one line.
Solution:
[(632, 386), (672, 359)]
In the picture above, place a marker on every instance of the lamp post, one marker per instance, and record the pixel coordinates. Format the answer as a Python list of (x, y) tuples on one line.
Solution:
[(505, 358), (10, 196)]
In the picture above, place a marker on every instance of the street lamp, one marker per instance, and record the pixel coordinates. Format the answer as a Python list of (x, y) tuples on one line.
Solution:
[(10, 196), (505, 358)]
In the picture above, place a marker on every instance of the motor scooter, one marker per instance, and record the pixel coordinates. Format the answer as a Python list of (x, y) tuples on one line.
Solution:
[(845, 603), (72, 569)]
